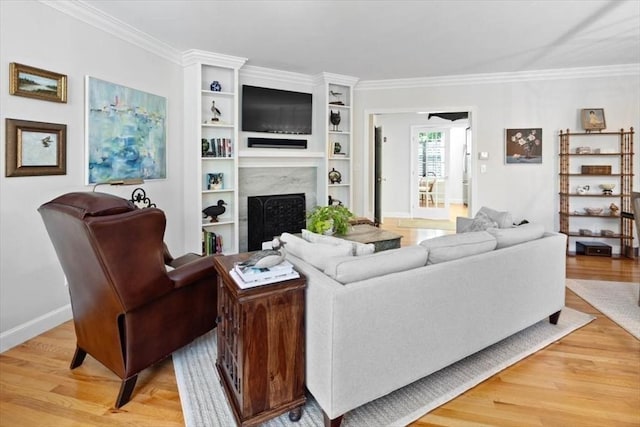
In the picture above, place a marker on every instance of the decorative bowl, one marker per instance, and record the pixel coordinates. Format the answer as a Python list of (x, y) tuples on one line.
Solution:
[(607, 187), (594, 211)]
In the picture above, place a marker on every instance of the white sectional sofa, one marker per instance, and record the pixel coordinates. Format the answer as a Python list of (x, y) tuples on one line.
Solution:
[(377, 322)]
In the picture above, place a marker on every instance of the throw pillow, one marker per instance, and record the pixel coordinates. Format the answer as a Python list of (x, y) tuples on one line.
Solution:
[(353, 269), (503, 219), (454, 246), (480, 222), (358, 248), (512, 236), (315, 254)]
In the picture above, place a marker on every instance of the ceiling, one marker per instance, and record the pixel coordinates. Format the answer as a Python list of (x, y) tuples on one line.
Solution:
[(376, 39)]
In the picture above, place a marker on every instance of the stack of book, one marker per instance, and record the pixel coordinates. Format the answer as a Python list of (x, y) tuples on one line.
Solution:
[(248, 277)]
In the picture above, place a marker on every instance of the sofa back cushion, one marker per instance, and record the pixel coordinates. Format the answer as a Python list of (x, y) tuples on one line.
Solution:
[(454, 246), (512, 236), (315, 254), (358, 248), (352, 269)]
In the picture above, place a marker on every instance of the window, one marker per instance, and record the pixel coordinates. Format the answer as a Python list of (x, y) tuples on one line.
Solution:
[(431, 153)]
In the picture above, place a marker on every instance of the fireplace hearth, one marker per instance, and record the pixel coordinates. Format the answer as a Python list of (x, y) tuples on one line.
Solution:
[(272, 215)]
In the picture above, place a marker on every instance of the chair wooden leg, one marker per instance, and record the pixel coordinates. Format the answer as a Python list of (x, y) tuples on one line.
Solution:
[(126, 388), (78, 358)]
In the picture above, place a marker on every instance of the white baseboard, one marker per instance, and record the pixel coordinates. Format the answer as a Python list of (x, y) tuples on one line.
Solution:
[(32, 328)]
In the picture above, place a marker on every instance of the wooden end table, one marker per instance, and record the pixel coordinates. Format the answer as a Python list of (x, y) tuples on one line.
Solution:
[(261, 349)]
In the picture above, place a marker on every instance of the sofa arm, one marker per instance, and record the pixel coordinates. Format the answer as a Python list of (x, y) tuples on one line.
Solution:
[(192, 272), (462, 223)]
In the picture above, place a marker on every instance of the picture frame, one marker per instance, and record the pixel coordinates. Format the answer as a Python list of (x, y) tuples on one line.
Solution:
[(32, 82), (593, 119), (125, 133), (523, 146), (35, 148)]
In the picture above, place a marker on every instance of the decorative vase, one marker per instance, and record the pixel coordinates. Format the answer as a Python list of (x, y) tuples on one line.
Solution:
[(215, 86)]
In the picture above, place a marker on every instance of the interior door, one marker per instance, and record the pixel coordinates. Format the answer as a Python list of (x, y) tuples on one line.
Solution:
[(377, 171), (430, 166)]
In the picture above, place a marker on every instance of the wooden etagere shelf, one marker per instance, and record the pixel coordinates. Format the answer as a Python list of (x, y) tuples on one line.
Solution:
[(615, 150)]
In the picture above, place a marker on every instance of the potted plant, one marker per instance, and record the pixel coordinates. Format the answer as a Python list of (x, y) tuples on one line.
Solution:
[(329, 219)]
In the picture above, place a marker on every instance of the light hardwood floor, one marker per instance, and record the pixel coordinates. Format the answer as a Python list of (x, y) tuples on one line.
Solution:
[(589, 378)]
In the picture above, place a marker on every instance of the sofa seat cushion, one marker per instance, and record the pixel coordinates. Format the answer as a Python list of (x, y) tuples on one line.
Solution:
[(315, 254), (353, 269), (506, 237), (358, 248), (454, 246)]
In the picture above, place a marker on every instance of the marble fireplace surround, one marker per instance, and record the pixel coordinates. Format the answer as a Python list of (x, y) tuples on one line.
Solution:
[(263, 180)]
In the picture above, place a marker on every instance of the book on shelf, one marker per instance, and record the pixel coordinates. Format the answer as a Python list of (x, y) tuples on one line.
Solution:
[(252, 274), (275, 279), (211, 243), (219, 147)]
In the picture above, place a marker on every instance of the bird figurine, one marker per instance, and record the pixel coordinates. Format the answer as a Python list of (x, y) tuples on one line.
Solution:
[(266, 258), (214, 211), (216, 112)]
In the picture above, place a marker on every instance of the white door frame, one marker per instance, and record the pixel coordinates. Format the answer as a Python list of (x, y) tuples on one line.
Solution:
[(367, 152)]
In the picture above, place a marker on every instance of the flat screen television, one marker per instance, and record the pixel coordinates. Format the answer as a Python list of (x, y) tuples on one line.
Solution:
[(276, 111)]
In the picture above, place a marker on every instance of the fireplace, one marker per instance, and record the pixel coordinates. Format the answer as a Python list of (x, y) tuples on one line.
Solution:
[(270, 216)]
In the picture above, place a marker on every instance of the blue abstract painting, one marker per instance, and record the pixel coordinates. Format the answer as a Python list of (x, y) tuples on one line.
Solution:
[(126, 133)]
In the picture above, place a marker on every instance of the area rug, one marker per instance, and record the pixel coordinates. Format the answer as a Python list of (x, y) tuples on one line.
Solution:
[(204, 403), (437, 224), (616, 300)]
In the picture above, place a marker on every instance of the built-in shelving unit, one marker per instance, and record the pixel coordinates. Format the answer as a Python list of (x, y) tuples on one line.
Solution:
[(211, 151), (336, 99), (612, 151)]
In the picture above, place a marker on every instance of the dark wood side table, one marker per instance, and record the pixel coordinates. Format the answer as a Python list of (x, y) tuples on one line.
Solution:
[(260, 346)]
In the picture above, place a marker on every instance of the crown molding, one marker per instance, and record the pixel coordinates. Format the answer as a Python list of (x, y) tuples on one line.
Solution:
[(194, 56), (96, 18), (280, 76), (339, 79), (492, 78)]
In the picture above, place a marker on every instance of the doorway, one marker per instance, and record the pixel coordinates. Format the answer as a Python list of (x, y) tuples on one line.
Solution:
[(395, 187)]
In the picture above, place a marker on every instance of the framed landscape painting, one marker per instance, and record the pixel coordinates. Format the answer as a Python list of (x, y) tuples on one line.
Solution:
[(126, 133), (523, 146), (37, 83)]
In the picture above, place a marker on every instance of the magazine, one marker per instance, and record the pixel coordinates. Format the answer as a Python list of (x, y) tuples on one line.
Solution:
[(251, 274), (244, 285)]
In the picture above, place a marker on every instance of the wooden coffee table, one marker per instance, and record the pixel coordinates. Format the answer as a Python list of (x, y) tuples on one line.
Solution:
[(364, 233)]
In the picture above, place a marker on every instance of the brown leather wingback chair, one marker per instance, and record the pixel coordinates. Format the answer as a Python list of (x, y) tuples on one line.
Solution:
[(129, 312)]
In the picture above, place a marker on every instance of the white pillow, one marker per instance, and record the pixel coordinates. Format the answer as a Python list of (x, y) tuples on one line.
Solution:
[(315, 254), (503, 219), (454, 246), (513, 236), (358, 248), (480, 222), (353, 269)]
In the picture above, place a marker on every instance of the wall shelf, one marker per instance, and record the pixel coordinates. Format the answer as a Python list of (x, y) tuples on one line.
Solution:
[(619, 156)]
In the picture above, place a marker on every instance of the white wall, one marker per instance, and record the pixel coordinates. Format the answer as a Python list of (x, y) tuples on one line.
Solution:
[(33, 296), (551, 103)]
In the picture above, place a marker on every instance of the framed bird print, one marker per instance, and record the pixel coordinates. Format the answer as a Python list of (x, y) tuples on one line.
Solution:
[(35, 148)]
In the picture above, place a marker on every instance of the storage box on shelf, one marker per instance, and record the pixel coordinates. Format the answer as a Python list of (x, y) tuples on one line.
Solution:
[(211, 135), (596, 181)]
